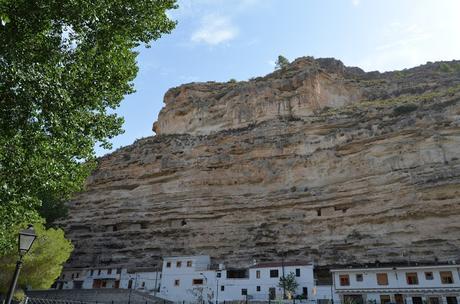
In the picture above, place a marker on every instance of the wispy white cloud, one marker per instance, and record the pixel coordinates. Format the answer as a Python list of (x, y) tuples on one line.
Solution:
[(355, 2), (411, 41), (214, 29)]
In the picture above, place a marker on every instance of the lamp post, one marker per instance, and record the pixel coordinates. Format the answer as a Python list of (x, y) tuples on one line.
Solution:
[(25, 240)]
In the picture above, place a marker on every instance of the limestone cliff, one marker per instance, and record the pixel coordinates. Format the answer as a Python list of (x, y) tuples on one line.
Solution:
[(316, 161)]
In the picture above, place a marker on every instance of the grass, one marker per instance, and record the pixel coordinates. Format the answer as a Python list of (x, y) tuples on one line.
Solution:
[(402, 104)]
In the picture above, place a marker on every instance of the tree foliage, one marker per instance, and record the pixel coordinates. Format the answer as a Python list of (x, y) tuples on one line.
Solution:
[(281, 62), (64, 65), (289, 284), (42, 264)]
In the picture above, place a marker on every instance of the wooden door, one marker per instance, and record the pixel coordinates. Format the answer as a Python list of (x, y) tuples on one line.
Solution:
[(97, 283)]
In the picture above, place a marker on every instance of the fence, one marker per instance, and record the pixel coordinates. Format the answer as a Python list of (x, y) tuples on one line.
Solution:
[(34, 300)]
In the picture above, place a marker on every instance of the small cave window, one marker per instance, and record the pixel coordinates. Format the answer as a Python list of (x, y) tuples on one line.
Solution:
[(183, 222), (318, 212)]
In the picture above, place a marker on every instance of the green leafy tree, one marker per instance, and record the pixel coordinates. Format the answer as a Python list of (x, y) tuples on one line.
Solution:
[(281, 62), (42, 264), (64, 66), (289, 284)]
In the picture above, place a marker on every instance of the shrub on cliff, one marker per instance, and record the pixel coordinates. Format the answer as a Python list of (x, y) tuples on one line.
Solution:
[(63, 66), (281, 62), (404, 109)]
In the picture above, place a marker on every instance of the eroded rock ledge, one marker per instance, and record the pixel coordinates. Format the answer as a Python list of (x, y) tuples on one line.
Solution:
[(315, 161)]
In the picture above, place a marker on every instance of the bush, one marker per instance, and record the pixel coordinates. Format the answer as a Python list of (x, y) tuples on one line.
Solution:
[(404, 109), (445, 68)]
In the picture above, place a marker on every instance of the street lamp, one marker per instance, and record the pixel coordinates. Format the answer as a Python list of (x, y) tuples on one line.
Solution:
[(25, 240)]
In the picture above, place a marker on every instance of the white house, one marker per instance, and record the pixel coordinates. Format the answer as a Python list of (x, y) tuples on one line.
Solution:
[(261, 281), (437, 284), (187, 278), (192, 278), (145, 279)]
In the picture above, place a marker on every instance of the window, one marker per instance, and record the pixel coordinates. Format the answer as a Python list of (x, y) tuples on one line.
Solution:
[(305, 292), (429, 275), (244, 292), (433, 300), (189, 263), (446, 277), (98, 271), (382, 279), (297, 272), (178, 264), (143, 284), (273, 273), (73, 275), (222, 288), (197, 281), (258, 288), (168, 264), (109, 271), (344, 280), (451, 300), (78, 275), (219, 274), (359, 277), (118, 270), (176, 282), (411, 278), (63, 276), (384, 299), (417, 300), (258, 274), (237, 274), (91, 272)]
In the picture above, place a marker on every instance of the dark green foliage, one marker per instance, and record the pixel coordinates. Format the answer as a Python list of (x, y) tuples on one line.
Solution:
[(52, 209), (281, 62), (404, 109), (445, 68), (63, 66)]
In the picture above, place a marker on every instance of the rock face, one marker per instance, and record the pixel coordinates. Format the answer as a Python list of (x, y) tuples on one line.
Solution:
[(315, 161)]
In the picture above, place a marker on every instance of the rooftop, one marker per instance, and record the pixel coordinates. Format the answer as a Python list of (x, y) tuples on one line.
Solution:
[(281, 264)]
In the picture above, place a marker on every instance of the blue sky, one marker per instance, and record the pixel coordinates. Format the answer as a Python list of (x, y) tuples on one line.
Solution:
[(222, 39)]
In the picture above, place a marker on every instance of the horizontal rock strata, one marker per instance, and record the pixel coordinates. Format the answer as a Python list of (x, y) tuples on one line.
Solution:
[(315, 161)]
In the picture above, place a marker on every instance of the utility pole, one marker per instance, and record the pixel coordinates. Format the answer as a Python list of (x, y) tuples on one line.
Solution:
[(217, 291), (284, 279), (155, 290)]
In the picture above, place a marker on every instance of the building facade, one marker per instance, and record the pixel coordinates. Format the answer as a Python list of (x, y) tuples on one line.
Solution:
[(194, 278), (437, 284), (147, 280)]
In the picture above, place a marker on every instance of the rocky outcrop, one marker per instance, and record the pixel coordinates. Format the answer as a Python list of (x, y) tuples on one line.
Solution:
[(315, 161)]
